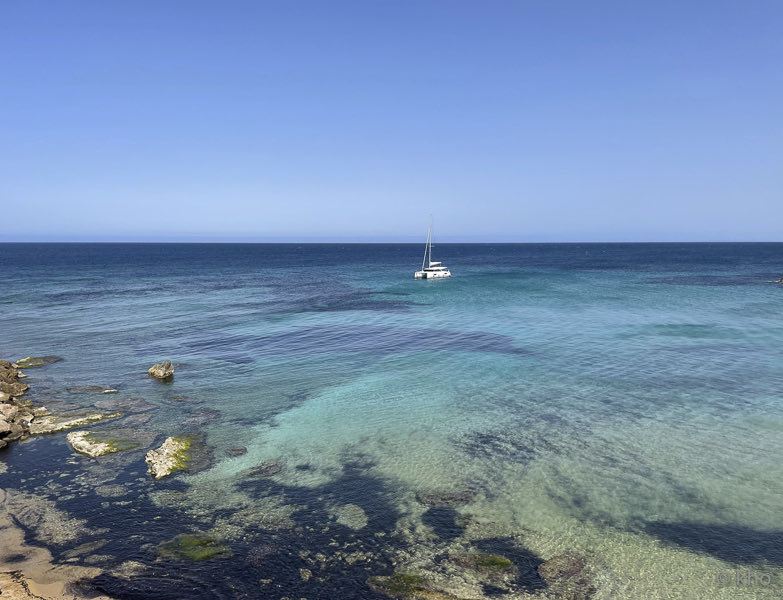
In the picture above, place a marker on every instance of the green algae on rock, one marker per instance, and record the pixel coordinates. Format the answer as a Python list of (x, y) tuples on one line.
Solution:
[(195, 547), (95, 444), (57, 423), (36, 361), (405, 586), (484, 563), (173, 455)]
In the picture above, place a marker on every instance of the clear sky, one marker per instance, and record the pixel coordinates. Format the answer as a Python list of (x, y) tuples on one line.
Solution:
[(509, 120)]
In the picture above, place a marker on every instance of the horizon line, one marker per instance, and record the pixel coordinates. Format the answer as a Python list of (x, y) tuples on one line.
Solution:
[(359, 241)]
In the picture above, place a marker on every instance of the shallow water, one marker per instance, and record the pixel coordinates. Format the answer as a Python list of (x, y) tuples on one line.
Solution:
[(621, 401)]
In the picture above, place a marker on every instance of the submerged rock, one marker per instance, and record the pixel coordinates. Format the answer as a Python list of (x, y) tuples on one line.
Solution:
[(265, 469), (36, 361), (194, 547), (496, 566), (57, 423), (568, 577), (163, 371), (403, 586), (172, 456), (89, 389), (126, 405), (351, 516), (441, 498), (202, 416), (236, 451)]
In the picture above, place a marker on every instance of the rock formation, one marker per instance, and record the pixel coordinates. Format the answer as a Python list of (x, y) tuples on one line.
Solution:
[(171, 456), (15, 416), (162, 371)]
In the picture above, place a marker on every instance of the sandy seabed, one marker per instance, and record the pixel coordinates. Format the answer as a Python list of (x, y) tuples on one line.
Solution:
[(28, 571)]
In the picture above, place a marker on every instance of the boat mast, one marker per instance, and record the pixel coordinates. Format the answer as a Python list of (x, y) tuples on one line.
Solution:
[(429, 242), (426, 247)]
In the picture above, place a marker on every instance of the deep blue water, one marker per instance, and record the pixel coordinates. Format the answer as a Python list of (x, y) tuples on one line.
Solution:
[(617, 400)]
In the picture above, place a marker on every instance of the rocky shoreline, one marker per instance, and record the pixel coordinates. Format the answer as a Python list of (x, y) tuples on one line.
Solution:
[(28, 572)]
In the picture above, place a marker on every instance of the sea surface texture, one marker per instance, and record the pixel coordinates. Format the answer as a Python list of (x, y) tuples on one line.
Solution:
[(621, 404)]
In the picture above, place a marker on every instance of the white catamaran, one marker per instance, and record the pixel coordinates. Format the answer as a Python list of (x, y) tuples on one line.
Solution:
[(430, 269)]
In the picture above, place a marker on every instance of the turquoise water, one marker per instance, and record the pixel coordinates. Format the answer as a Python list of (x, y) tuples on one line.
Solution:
[(619, 401)]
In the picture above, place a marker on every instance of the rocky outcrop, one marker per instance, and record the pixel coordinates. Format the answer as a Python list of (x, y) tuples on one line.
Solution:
[(56, 423), (15, 416), (14, 389), (84, 442), (172, 456), (163, 371)]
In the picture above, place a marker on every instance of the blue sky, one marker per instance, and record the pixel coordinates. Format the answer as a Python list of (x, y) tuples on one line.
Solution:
[(312, 120)]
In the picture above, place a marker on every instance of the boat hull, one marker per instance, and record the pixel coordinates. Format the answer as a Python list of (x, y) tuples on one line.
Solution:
[(431, 274)]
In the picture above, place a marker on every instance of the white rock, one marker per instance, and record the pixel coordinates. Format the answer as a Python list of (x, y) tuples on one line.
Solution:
[(80, 443), (170, 457)]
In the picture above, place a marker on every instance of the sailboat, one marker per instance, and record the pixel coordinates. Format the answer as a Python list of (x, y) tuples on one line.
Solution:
[(431, 269)]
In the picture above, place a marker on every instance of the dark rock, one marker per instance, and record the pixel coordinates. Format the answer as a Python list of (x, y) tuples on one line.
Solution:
[(236, 451), (441, 498), (202, 416), (265, 469), (125, 405)]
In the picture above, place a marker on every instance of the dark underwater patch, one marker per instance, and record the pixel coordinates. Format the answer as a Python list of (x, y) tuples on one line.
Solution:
[(524, 559), (732, 543), (381, 340), (706, 280), (443, 520), (325, 339)]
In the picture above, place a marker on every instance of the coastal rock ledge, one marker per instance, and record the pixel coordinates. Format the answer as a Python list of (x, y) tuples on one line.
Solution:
[(163, 371), (171, 456), (83, 442), (15, 414)]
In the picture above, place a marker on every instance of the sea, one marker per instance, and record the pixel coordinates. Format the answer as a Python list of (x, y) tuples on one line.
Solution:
[(619, 403)]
